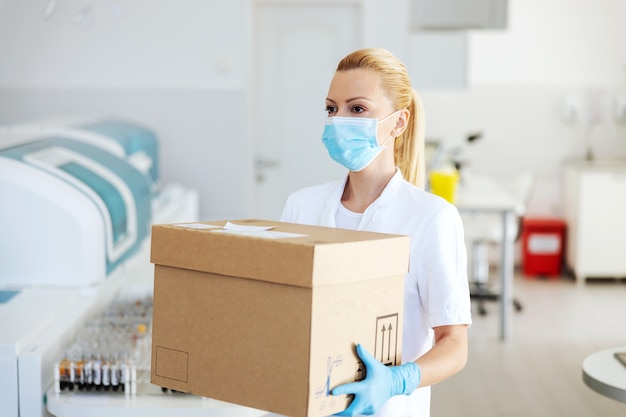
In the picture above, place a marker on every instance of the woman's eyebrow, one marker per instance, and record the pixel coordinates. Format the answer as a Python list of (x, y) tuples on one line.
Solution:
[(349, 100), (357, 98)]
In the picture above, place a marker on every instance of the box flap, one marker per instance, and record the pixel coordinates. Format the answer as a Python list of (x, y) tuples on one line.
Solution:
[(292, 254)]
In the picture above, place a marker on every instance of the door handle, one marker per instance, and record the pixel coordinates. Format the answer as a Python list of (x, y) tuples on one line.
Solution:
[(262, 164)]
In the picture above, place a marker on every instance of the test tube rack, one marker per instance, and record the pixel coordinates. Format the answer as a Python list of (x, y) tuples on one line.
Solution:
[(111, 352)]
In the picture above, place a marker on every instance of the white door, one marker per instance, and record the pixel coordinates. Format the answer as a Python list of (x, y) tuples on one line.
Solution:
[(296, 48)]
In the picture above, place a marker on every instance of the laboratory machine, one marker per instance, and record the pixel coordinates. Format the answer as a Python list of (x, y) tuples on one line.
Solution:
[(77, 201)]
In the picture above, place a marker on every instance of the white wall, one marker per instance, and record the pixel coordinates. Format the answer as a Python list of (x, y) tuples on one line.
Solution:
[(519, 79), (553, 43), (177, 66), (197, 44), (182, 67)]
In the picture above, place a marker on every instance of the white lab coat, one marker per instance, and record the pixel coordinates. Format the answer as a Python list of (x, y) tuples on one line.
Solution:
[(436, 287)]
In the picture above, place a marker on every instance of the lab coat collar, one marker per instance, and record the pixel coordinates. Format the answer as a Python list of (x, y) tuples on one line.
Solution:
[(334, 199), (332, 204)]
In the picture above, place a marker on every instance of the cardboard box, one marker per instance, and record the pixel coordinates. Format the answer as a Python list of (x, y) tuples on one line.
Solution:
[(269, 319)]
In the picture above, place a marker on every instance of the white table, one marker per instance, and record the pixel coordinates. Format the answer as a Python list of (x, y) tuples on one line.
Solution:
[(483, 195), (603, 373), (149, 402)]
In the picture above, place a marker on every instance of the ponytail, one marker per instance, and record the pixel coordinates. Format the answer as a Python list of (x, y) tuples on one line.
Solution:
[(409, 147)]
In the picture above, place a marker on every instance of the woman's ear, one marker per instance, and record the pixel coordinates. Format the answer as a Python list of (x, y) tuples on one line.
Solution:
[(401, 123)]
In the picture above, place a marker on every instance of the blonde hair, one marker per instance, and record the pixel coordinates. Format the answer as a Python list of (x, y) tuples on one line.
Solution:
[(409, 147)]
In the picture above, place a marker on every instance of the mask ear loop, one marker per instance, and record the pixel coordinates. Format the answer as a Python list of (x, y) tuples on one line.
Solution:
[(384, 144), (388, 116)]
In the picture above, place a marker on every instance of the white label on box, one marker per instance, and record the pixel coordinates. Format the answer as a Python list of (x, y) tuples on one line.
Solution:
[(264, 234), (243, 228), (544, 243), (196, 226)]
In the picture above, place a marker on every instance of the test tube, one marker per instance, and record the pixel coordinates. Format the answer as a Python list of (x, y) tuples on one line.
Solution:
[(96, 370), (106, 376)]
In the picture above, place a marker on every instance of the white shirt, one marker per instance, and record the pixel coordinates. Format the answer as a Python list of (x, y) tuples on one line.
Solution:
[(436, 287)]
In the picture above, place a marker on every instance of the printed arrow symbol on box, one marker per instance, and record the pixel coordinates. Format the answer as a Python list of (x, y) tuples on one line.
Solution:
[(389, 343), (382, 344)]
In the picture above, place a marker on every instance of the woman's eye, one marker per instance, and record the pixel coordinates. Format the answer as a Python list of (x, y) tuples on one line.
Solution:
[(358, 109), (330, 109)]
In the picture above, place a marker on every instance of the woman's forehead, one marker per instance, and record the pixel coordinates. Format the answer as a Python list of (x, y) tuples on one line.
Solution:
[(355, 82)]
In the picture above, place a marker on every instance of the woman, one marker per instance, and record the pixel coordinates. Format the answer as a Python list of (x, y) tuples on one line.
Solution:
[(375, 130)]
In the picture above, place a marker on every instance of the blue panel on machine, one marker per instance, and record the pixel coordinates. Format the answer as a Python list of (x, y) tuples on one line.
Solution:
[(133, 138), (120, 191)]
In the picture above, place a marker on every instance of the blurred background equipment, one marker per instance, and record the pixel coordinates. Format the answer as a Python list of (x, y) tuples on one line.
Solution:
[(78, 201)]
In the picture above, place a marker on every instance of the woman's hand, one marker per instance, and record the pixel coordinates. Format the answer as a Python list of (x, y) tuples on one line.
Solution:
[(380, 384)]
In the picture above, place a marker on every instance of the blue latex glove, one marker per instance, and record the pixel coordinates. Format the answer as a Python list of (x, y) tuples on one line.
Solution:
[(381, 383)]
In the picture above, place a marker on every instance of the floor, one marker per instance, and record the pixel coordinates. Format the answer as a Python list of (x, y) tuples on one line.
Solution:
[(537, 371)]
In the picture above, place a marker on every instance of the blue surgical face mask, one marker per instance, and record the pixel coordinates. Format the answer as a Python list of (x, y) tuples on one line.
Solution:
[(351, 141)]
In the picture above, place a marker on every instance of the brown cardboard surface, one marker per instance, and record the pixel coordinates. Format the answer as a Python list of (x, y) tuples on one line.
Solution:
[(271, 324), (321, 256)]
